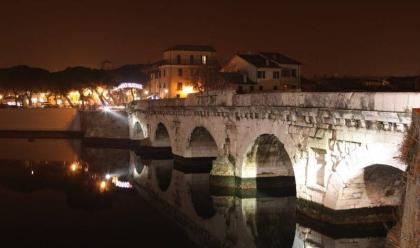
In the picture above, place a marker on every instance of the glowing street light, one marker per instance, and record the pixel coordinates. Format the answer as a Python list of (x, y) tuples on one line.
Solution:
[(100, 89), (107, 176), (146, 92), (106, 109)]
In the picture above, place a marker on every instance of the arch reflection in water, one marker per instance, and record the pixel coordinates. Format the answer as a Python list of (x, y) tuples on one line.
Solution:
[(269, 221), (163, 172), (200, 195), (136, 163), (227, 220)]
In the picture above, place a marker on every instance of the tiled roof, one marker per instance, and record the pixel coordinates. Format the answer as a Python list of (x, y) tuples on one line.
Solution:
[(268, 60), (191, 48), (259, 61), (280, 58)]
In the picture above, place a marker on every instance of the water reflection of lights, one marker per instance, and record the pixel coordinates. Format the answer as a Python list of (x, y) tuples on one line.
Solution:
[(103, 186), (74, 166), (123, 184)]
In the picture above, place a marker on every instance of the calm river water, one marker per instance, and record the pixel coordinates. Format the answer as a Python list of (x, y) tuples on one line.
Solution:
[(60, 193)]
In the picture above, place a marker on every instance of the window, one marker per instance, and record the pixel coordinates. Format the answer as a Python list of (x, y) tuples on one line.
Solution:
[(251, 88), (179, 86), (285, 73), (276, 74), (178, 59), (164, 73), (159, 74), (240, 89), (191, 59), (180, 72), (275, 87), (261, 87), (294, 73), (204, 59), (261, 74), (177, 95)]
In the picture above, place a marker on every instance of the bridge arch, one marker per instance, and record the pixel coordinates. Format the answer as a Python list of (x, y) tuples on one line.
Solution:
[(161, 137), (375, 185), (137, 128), (267, 160), (202, 144)]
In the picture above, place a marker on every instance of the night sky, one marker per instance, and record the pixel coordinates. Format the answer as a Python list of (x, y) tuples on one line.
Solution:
[(352, 38)]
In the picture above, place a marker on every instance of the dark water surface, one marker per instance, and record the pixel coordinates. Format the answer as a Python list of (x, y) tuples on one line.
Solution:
[(56, 193)]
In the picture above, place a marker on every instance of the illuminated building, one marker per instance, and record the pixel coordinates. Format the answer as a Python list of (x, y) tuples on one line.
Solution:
[(264, 72), (182, 71)]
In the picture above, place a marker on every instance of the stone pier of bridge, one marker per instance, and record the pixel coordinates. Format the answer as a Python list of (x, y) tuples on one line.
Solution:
[(338, 150)]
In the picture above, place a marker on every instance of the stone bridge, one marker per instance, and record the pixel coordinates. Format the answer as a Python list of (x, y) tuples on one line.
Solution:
[(339, 150)]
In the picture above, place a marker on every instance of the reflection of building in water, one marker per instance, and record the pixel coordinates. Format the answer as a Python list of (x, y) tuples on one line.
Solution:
[(40, 149)]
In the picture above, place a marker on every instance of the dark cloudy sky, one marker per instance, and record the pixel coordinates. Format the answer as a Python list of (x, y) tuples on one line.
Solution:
[(348, 38)]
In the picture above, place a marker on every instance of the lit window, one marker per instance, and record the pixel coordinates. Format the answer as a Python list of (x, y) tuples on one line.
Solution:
[(204, 59)]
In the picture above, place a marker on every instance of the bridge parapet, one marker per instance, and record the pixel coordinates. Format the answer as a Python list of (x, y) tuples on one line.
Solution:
[(376, 111), (365, 101)]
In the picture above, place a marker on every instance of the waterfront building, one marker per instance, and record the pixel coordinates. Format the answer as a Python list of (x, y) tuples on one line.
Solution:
[(184, 69), (265, 71)]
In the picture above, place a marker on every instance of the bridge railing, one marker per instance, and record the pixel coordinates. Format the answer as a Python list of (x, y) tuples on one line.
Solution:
[(368, 101), (365, 101)]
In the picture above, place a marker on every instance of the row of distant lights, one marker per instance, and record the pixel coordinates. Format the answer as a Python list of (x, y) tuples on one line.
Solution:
[(103, 184)]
